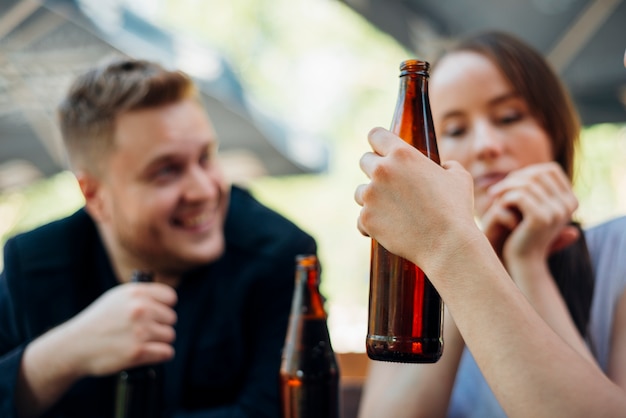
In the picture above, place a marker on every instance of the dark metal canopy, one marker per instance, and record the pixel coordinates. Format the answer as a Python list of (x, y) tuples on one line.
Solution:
[(583, 39), (45, 44)]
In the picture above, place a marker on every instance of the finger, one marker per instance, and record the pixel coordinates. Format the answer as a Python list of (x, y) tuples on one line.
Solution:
[(163, 314), (154, 352), (518, 179), (557, 187), (358, 194), (503, 216), (550, 175), (160, 292), (567, 237), (538, 206), (360, 227), (160, 333), (524, 203), (368, 162), (497, 225), (452, 165), (381, 140)]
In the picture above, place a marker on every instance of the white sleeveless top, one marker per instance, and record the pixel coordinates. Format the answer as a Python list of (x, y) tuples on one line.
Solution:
[(472, 397)]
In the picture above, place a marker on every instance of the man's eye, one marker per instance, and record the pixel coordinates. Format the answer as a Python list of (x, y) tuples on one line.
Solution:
[(205, 159), (208, 155), (167, 171)]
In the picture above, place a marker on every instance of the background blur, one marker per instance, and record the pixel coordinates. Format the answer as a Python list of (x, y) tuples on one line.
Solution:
[(324, 71)]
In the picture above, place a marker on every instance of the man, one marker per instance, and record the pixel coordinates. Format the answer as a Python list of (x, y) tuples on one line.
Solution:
[(213, 322)]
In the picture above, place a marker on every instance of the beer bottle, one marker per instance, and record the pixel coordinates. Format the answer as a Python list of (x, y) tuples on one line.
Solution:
[(309, 373), (405, 318), (137, 390)]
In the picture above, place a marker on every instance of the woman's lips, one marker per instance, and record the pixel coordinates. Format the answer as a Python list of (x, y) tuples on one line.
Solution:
[(487, 180)]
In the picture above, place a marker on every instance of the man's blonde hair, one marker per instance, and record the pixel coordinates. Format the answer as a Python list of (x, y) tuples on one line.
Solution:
[(88, 113)]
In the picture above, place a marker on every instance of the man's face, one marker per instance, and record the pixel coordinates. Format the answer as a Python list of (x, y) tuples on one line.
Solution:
[(161, 200)]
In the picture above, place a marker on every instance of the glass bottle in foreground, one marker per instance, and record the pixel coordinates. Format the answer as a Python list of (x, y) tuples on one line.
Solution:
[(405, 318), (137, 390), (309, 373)]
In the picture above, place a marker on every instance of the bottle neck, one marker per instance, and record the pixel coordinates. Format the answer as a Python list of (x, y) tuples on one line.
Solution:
[(412, 119), (414, 78), (414, 66), (312, 304)]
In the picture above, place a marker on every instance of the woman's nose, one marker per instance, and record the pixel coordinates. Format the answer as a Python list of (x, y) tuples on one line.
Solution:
[(487, 140)]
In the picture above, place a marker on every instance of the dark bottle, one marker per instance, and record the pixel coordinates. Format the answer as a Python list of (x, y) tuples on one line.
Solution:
[(309, 373), (137, 390), (405, 322)]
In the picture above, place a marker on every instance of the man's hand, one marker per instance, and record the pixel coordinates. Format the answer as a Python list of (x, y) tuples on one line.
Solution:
[(128, 326)]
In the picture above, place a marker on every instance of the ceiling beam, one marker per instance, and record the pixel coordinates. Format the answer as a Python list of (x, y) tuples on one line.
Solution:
[(580, 31), (42, 124), (16, 15)]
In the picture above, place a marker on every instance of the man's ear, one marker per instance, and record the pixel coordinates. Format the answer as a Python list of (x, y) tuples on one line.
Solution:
[(92, 188)]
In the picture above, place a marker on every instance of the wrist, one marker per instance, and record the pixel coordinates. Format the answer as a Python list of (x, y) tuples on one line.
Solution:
[(53, 351), (452, 252), (47, 371), (531, 276)]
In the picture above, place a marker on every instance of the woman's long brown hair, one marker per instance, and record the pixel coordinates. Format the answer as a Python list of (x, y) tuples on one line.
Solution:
[(549, 102)]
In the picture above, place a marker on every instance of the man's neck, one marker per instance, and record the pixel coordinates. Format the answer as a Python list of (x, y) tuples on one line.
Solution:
[(124, 266)]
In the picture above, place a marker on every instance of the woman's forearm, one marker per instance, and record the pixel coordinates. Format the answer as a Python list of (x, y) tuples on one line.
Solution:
[(538, 285), (530, 368)]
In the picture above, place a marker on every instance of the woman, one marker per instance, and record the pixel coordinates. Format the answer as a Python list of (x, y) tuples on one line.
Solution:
[(501, 112)]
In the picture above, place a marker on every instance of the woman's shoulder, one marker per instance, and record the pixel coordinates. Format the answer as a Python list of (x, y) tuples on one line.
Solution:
[(610, 232), (607, 248)]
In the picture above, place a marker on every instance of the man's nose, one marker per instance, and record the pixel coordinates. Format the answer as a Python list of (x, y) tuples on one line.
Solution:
[(200, 184)]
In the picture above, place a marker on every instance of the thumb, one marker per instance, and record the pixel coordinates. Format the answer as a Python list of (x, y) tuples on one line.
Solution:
[(568, 236)]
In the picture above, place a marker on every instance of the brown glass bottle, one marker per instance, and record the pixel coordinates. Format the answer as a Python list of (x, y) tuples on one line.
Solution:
[(309, 373), (405, 322), (137, 390)]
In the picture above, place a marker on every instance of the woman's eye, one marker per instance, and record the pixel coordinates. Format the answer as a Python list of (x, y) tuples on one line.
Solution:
[(454, 131), (509, 118)]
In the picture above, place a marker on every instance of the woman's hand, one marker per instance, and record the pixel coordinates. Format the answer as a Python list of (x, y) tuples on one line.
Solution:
[(404, 207), (530, 213)]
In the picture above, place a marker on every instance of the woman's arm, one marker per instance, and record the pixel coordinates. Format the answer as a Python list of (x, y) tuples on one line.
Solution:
[(528, 219), (530, 368), (617, 357)]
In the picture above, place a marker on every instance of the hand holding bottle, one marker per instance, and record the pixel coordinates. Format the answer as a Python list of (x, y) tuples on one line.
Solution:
[(128, 326), (405, 318), (420, 213)]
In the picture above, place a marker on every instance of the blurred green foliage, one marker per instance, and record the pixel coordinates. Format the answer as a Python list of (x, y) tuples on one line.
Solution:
[(600, 178)]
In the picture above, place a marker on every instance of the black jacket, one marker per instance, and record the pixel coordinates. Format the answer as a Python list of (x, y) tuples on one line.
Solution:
[(232, 314)]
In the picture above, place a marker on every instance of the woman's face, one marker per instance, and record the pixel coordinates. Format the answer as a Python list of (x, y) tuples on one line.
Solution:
[(483, 123)]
